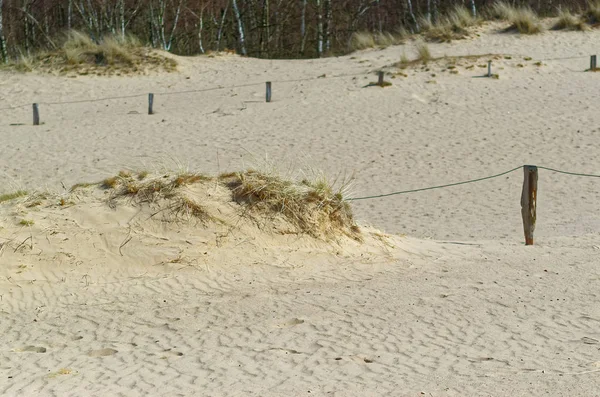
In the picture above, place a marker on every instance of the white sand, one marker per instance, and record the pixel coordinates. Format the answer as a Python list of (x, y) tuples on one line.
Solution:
[(459, 308)]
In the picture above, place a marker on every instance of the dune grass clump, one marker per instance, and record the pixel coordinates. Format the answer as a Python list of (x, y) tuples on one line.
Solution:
[(364, 40), (525, 21), (453, 26), (568, 21), (591, 13), (313, 207), (12, 196), (79, 54), (502, 11), (521, 19), (145, 189), (423, 53)]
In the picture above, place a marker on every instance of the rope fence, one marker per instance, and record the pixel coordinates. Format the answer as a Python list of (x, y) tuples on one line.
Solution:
[(529, 193), (269, 86), (528, 196)]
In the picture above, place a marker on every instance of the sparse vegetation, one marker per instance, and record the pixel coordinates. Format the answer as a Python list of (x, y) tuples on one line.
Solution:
[(81, 186), (79, 54), (501, 10), (314, 207), (364, 40), (568, 21), (525, 21), (423, 53), (592, 12), (453, 26), (26, 222), (12, 196)]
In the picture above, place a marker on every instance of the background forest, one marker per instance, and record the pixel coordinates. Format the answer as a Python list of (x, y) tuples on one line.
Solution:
[(257, 28)]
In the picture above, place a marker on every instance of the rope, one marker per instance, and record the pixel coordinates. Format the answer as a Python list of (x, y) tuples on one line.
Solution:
[(436, 187), (180, 92), (569, 173), (472, 181), (225, 87)]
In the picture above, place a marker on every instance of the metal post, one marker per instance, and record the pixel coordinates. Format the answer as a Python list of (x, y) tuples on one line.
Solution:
[(150, 103)]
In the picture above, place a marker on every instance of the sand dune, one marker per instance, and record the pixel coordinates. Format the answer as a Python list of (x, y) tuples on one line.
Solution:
[(124, 300)]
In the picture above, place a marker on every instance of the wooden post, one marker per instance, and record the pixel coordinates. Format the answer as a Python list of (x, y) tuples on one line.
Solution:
[(529, 201), (150, 103), (268, 91), (489, 69), (36, 114), (593, 63), (380, 81)]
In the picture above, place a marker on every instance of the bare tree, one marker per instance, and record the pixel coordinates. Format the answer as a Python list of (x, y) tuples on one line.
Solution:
[(238, 18), (3, 50)]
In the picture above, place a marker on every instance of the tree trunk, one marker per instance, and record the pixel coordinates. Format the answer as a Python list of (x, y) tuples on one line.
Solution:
[(69, 14), (170, 42), (303, 27), (328, 23), (238, 18), (220, 31), (122, 18), (412, 15), (3, 50), (319, 28), (473, 9)]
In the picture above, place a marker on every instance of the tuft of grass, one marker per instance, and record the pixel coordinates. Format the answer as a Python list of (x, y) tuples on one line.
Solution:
[(191, 208), (501, 10), (82, 185), (568, 21), (592, 12), (314, 207), (79, 54), (12, 196), (364, 40), (26, 222), (453, 26), (423, 53), (525, 21), (110, 183)]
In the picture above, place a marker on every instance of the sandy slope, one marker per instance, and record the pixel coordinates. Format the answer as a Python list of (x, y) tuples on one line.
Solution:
[(181, 309), (102, 301), (410, 135)]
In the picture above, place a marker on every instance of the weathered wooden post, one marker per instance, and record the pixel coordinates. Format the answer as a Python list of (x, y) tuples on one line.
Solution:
[(529, 201), (380, 78), (268, 91), (593, 63), (36, 114), (489, 69), (150, 103)]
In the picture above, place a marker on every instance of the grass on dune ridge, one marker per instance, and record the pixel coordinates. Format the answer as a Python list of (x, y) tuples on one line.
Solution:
[(314, 206), (111, 55), (458, 22)]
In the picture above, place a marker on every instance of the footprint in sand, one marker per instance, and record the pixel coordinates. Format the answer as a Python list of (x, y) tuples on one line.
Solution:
[(102, 352), (36, 349)]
